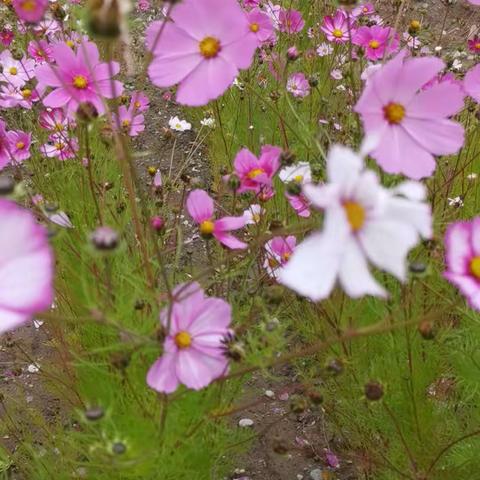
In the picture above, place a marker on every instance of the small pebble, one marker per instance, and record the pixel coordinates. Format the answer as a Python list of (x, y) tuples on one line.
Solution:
[(269, 394), (32, 368), (316, 474), (245, 423)]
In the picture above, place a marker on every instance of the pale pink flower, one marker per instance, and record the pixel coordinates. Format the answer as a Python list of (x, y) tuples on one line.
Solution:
[(462, 258), (474, 2), (19, 145), (41, 51), (337, 28), (363, 10), (5, 155), (194, 349), (26, 267), (143, 5), (290, 21), (412, 124), (11, 96), (297, 85), (471, 83), (261, 25), (201, 208), (253, 214), (30, 11), (139, 102), (202, 49), (78, 77), (16, 72), (127, 119), (363, 222), (60, 146), (376, 41), (54, 120), (255, 173), (277, 253)]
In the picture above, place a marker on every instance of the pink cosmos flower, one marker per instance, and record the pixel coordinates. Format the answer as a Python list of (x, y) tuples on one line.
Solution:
[(201, 209), (297, 85), (474, 44), (290, 21), (295, 177), (54, 120), (131, 123), (6, 36), (376, 41), (251, 3), (278, 252), (41, 51), (363, 10), (471, 83), (193, 352), (16, 72), (19, 145), (202, 50), (412, 124), (11, 96), (143, 5), (260, 24), (462, 258), (139, 102), (336, 28), (78, 78), (47, 28), (257, 173), (60, 146), (26, 267), (30, 11)]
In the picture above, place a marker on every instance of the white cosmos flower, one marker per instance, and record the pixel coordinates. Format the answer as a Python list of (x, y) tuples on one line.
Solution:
[(363, 223), (299, 172), (179, 125)]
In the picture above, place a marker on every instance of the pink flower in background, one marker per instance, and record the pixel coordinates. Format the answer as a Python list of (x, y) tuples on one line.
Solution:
[(26, 267), (5, 155), (471, 83), (474, 44), (443, 77), (337, 28), (278, 252), (54, 120), (200, 207), (139, 102), (363, 222), (290, 21), (47, 28), (193, 352), (60, 146), (474, 2), (78, 77), (296, 176), (19, 145), (260, 24), (11, 96), (6, 36), (16, 72), (363, 10), (251, 3), (40, 50), (128, 121), (30, 11), (462, 258), (297, 85), (256, 173), (143, 5), (201, 51), (376, 41), (412, 125)]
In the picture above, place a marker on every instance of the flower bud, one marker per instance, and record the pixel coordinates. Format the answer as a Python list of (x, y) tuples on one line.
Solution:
[(105, 238), (157, 223), (293, 53), (233, 182), (94, 413), (427, 330), (414, 27), (119, 448), (87, 112), (373, 391)]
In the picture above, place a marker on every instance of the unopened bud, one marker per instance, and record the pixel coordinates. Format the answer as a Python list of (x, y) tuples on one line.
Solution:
[(373, 391)]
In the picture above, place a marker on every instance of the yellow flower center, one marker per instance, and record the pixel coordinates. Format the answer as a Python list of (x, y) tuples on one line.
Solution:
[(415, 24), (137, 104), (475, 267), (126, 123), (20, 145), (272, 263), (26, 93), (255, 173), (183, 340), (209, 47), (286, 256), (58, 127), (337, 33), (254, 27), (374, 44), (207, 227), (29, 5), (477, 46), (355, 215), (13, 70), (394, 113), (298, 178), (80, 82), (70, 43), (59, 146), (256, 217), (365, 9)]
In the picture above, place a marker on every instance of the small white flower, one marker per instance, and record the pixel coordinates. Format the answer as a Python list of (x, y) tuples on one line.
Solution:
[(456, 202), (179, 125), (253, 214), (324, 49), (208, 122), (300, 173), (238, 84), (457, 64), (336, 74), (33, 368), (472, 176)]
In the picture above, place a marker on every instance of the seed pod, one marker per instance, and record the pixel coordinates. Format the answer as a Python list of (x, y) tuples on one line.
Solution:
[(373, 391), (417, 267), (119, 448), (105, 238), (335, 367), (233, 182), (94, 413), (427, 330), (315, 397)]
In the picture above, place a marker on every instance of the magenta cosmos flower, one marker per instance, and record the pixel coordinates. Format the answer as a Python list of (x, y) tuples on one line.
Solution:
[(471, 83), (412, 125), (257, 173), (78, 77), (201, 209), (260, 24), (30, 11), (19, 145), (290, 21), (129, 121), (278, 252), (26, 267), (336, 28), (202, 49), (462, 258), (193, 352), (297, 85), (376, 41)]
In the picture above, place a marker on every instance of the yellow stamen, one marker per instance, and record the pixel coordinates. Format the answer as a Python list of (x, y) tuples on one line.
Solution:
[(13, 70), (29, 5), (255, 173), (26, 93), (80, 82), (394, 113), (59, 146), (337, 33), (475, 267), (209, 47), (183, 340), (298, 178), (126, 123), (207, 227), (254, 27), (20, 145), (355, 215), (374, 44), (70, 43), (286, 256)]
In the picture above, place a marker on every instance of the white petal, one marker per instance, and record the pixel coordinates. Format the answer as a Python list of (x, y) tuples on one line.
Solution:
[(418, 215), (355, 276), (411, 190), (343, 165)]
